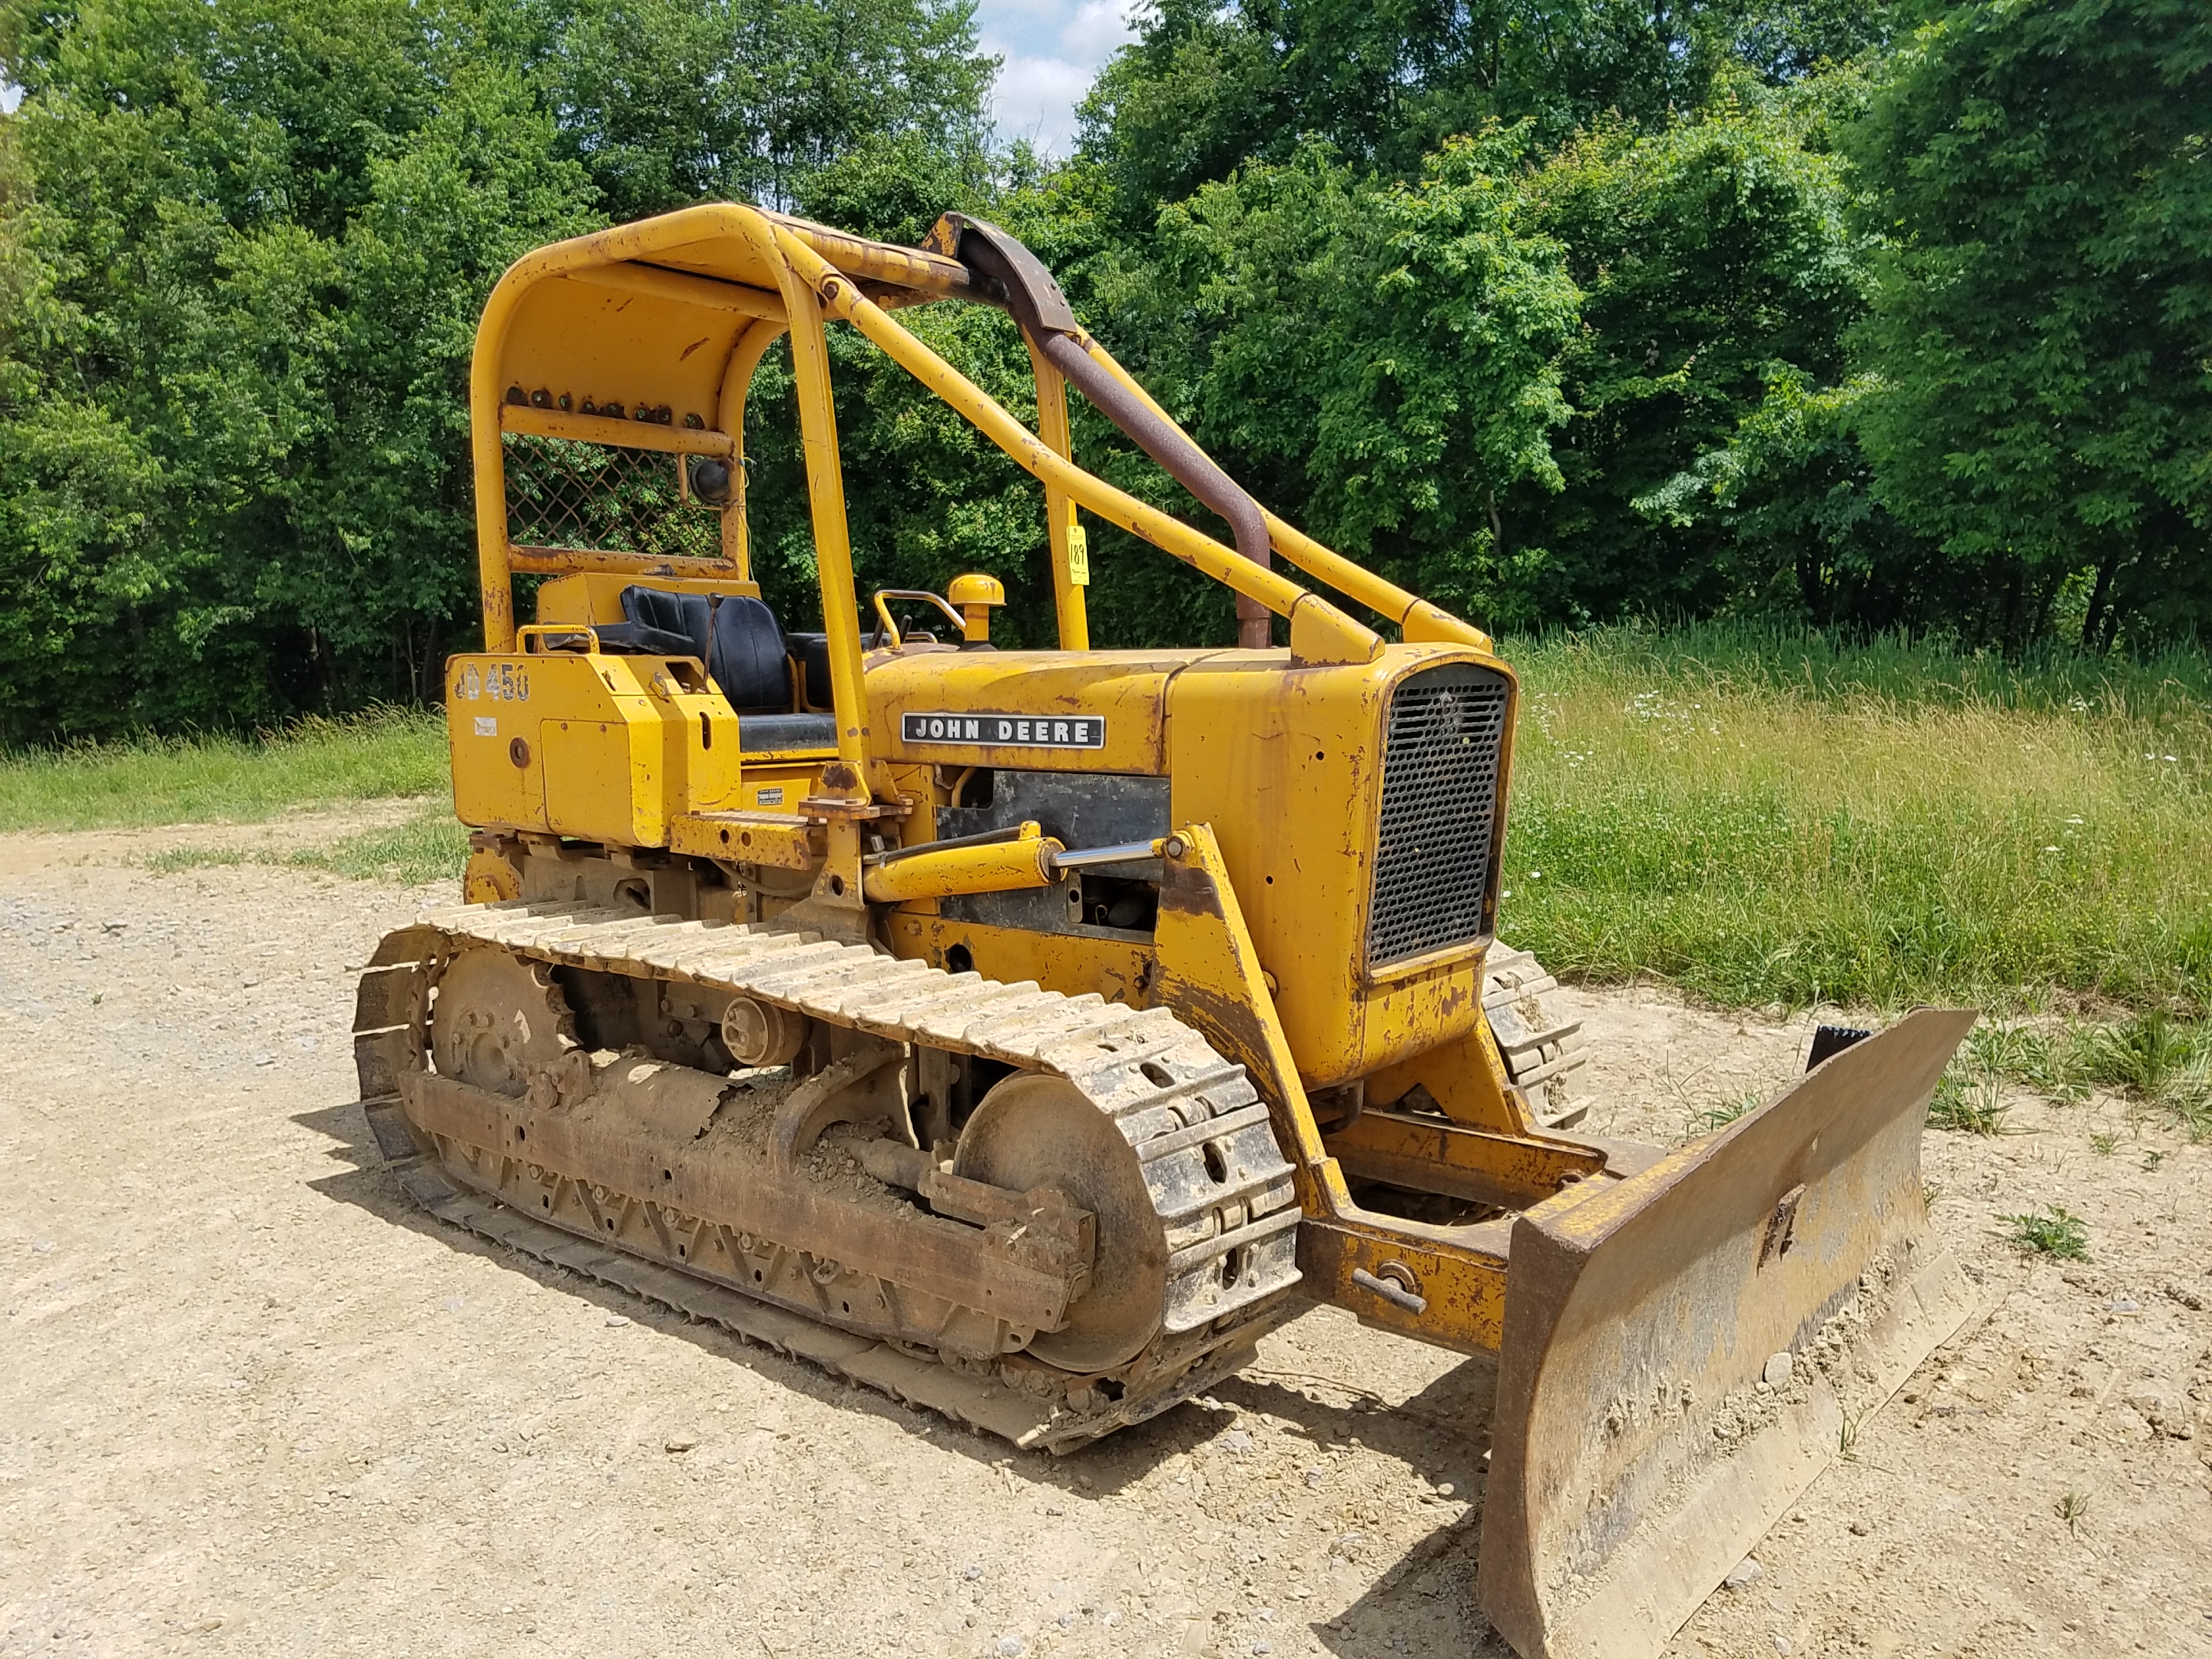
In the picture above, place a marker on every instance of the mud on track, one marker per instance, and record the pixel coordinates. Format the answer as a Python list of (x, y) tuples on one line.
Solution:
[(252, 1401)]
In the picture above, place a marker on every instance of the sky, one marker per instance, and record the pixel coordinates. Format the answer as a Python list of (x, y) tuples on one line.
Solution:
[(1052, 49)]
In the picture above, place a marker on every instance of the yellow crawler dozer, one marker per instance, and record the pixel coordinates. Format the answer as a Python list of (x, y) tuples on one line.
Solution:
[(1025, 1033)]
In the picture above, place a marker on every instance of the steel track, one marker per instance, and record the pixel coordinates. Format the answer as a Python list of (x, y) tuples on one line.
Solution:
[(1233, 1240)]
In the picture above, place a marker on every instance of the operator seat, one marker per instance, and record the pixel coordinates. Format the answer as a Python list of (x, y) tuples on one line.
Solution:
[(747, 656), (754, 666), (656, 623)]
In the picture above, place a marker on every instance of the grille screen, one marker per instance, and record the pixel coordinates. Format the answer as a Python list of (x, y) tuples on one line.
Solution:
[(1439, 808), (564, 492)]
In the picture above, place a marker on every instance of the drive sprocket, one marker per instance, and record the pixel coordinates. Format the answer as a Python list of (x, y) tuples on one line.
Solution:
[(497, 1019)]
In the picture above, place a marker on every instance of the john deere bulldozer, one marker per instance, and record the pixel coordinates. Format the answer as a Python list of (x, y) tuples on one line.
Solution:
[(1026, 1032)]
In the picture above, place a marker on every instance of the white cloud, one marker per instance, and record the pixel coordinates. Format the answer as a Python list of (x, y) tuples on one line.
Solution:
[(1053, 51), (9, 97), (1035, 98)]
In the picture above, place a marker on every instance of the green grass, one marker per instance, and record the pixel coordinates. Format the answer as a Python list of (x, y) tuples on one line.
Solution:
[(2161, 1066), (380, 755), (2070, 1508), (431, 847), (385, 754), (1967, 1105), (1705, 1121), (2051, 1230), (1764, 817)]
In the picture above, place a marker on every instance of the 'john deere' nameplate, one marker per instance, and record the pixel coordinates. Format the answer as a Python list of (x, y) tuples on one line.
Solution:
[(1006, 730)]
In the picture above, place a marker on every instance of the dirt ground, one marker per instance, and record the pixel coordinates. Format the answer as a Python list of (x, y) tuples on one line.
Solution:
[(252, 1402)]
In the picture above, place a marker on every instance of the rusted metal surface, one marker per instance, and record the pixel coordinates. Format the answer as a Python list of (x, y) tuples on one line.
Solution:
[(761, 1033), (1433, 1154), (1034, 1129), (499, 1018), (1638, 1451), (596, 1171), (850, 1089), (1544, 1051), (1018, 1399), (1168, 1119), (783, 840)]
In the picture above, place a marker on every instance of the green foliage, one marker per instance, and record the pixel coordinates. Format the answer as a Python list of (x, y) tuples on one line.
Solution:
[(2039, 1057), (2147, 1056), (2015, 447), (1801, 531), (668, 102), (1205, 89), (2162, 1065), (1706, 1119), (1380, 357), (1966, 1105), (1558, 311), (230, 471), (243, 245), (2051, 1230), (2041, 173), (1715, 261)]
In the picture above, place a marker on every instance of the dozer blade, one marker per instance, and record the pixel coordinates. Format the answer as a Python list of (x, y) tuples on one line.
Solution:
[(1646, 1433)]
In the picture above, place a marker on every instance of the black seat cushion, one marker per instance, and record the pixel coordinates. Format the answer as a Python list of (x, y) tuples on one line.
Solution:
[(684, 614), (746, 657)]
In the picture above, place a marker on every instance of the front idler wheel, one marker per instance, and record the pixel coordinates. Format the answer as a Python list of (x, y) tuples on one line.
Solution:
[(1033, 1131)]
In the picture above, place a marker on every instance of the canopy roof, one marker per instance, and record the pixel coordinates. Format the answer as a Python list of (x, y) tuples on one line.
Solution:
[(649, 315)]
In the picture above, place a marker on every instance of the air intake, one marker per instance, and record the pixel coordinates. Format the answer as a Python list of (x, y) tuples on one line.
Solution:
[(1447, 729)]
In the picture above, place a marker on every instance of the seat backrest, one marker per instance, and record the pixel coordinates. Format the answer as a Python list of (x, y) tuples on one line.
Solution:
[(811, 652), (747, 656), (686, 614)]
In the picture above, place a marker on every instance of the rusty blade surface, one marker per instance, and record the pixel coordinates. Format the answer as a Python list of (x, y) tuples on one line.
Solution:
[(1638, 1452)]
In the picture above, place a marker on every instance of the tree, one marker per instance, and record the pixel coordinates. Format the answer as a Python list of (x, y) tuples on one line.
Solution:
[(2042, 315), (1804, 536), (237, 430), (1204, 88), (1376, 360), (1715, 257), (243, 248), (667, 102)]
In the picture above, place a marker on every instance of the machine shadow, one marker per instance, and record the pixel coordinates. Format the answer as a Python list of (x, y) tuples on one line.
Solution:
[(364, 1183), (1421, 1603)]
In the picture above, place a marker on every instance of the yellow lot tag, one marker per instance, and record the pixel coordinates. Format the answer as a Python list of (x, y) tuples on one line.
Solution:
[(1079, 557)]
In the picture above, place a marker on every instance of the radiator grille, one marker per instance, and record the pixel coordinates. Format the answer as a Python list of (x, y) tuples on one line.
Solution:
[(1440, 757)]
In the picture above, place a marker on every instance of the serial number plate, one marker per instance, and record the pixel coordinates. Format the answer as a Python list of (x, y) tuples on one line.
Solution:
[(1007, 730)]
